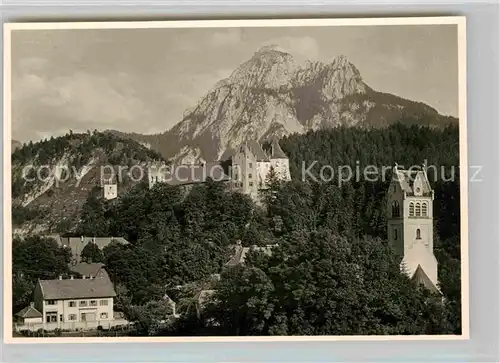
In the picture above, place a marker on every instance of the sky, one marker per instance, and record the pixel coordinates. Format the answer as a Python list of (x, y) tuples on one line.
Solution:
[(143, 80)]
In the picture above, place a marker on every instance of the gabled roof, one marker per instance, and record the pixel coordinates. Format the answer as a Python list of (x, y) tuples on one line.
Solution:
[(76, 244), (421, 278), (29, 312), (87, 269), (77, 288), (256, 150), (241, 253), (406, 179), (277, 152)]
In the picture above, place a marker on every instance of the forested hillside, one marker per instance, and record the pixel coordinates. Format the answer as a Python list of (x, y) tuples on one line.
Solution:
[(52, 179), (332, 272)]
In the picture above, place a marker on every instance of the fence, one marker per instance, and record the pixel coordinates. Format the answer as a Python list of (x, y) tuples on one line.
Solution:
[(81, 325)]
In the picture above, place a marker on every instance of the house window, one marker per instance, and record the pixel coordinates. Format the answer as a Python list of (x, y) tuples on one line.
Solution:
[(424, 209), (412, 209), (72, 304), (50, 302), (417, 209), (93, 302), (51, 318), (249, 176), (251, 184), (104, 315), (418, 234), (395, 209), (83, 303), (72, 317), (103, 303), (395, 234)]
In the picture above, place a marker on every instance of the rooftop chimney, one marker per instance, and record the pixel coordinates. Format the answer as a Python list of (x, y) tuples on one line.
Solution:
[(83, 277), (60, 277), (71, 277)]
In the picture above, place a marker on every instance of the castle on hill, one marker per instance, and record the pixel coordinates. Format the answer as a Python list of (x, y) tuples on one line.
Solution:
[(410, 228), (249, 170), (251, 166)]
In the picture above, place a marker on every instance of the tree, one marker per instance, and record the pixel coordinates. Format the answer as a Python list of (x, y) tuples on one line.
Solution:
[(243, 301), (38, 257), (35, 258), (316, 283), (92, 253)]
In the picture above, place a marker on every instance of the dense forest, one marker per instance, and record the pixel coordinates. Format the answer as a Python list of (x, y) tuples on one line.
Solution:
[(331, 272)]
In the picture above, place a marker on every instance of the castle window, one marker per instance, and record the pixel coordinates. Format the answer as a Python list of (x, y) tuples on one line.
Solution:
[(417, 210), (250, 184), (412, 209), (418, 234), (424, 209), (249, 176), (395, 208)]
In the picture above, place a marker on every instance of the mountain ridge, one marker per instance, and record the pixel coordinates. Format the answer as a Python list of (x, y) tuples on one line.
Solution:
[(272, 95)]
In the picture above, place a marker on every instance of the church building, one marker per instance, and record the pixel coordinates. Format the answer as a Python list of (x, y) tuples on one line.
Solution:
[(410, 225)]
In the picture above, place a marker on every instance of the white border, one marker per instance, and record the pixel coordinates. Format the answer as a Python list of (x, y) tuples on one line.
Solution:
[(460, 21)]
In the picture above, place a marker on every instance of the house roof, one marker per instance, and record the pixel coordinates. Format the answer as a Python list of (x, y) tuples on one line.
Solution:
[(406, 179), (87, 269), (76, 244), (76, 288), (421, 278), (277, 152), (241, 253), (29, 312), (257, 150)]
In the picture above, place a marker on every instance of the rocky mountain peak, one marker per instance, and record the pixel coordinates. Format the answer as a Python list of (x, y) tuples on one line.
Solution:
[(271, 95), (341, 78), (269, 68)]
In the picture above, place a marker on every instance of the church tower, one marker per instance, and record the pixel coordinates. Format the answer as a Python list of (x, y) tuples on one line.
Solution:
[(410, 224)]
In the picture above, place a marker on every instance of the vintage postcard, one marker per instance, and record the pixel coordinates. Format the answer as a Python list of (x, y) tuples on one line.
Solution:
[(235, 180)]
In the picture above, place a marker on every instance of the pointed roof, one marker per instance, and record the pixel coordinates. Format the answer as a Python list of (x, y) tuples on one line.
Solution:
[(257, 150), (87, 269), (241, 253), (277, 152), (29, 312), (421, 278), (406, 179)]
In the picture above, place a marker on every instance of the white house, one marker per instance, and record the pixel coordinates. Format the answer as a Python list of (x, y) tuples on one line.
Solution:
[(75, 303)]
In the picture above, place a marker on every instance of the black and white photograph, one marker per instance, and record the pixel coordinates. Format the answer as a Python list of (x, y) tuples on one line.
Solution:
[(251, 179)]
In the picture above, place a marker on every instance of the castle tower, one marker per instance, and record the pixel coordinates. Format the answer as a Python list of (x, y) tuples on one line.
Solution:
[(244, 168), (280, 162), (109, 184), (410, 225)]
